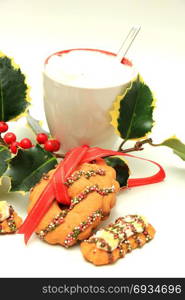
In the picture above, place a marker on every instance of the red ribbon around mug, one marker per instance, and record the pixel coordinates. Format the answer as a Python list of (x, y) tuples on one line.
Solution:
[(57, 190)]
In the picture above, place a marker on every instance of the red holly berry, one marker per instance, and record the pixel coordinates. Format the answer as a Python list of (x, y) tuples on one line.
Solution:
[(25, 143), (42, 138), (9, 137), (49, 146), (14, 147), (56, 144), (3, 126)]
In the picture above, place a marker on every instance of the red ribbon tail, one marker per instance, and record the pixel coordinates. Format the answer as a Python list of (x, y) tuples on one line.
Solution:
[(158, 177), (94, 153), (37, 212)]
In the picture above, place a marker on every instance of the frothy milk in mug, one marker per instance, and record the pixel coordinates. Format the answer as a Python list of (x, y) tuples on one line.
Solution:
[(80, 86)]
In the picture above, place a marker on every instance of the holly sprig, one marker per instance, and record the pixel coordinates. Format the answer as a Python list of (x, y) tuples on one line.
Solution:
[(132, 119), (22, 161), (14, 90), (25, 163)]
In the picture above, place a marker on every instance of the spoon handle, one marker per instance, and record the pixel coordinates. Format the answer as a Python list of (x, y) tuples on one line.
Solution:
[(128, 42)]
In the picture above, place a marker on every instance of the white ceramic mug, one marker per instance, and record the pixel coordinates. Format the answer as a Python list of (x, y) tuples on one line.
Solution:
[(80, 115)]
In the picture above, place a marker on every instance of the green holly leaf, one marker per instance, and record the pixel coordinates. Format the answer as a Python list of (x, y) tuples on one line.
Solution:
[(176, 145), (28, 166), (14, 92), (132, 116), (121, 168), (4, 156)]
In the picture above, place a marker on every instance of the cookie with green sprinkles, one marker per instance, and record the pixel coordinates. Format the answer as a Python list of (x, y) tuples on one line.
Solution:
[(9, 219), (92, 189)]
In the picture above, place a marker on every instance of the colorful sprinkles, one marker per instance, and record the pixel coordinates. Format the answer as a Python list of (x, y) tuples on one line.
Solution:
[(59, 219), (90, 189), (73, 235), (10, 221), (121, 230), (87, 174)]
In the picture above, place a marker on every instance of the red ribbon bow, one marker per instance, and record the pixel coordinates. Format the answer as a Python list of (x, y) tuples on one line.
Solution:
[(56, 189)]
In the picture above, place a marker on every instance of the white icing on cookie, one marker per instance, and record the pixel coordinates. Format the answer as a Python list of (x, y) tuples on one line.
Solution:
[(4, 211)]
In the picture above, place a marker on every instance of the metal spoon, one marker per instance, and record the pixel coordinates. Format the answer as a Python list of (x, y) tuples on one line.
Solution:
[(128, 42)]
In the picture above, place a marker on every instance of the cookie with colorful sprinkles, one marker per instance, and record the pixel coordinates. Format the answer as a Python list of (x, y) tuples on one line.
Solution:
[(114, 241), (92, 188), (9, 219)]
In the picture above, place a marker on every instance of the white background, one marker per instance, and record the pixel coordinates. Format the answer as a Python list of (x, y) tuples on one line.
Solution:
[(29, 32)]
